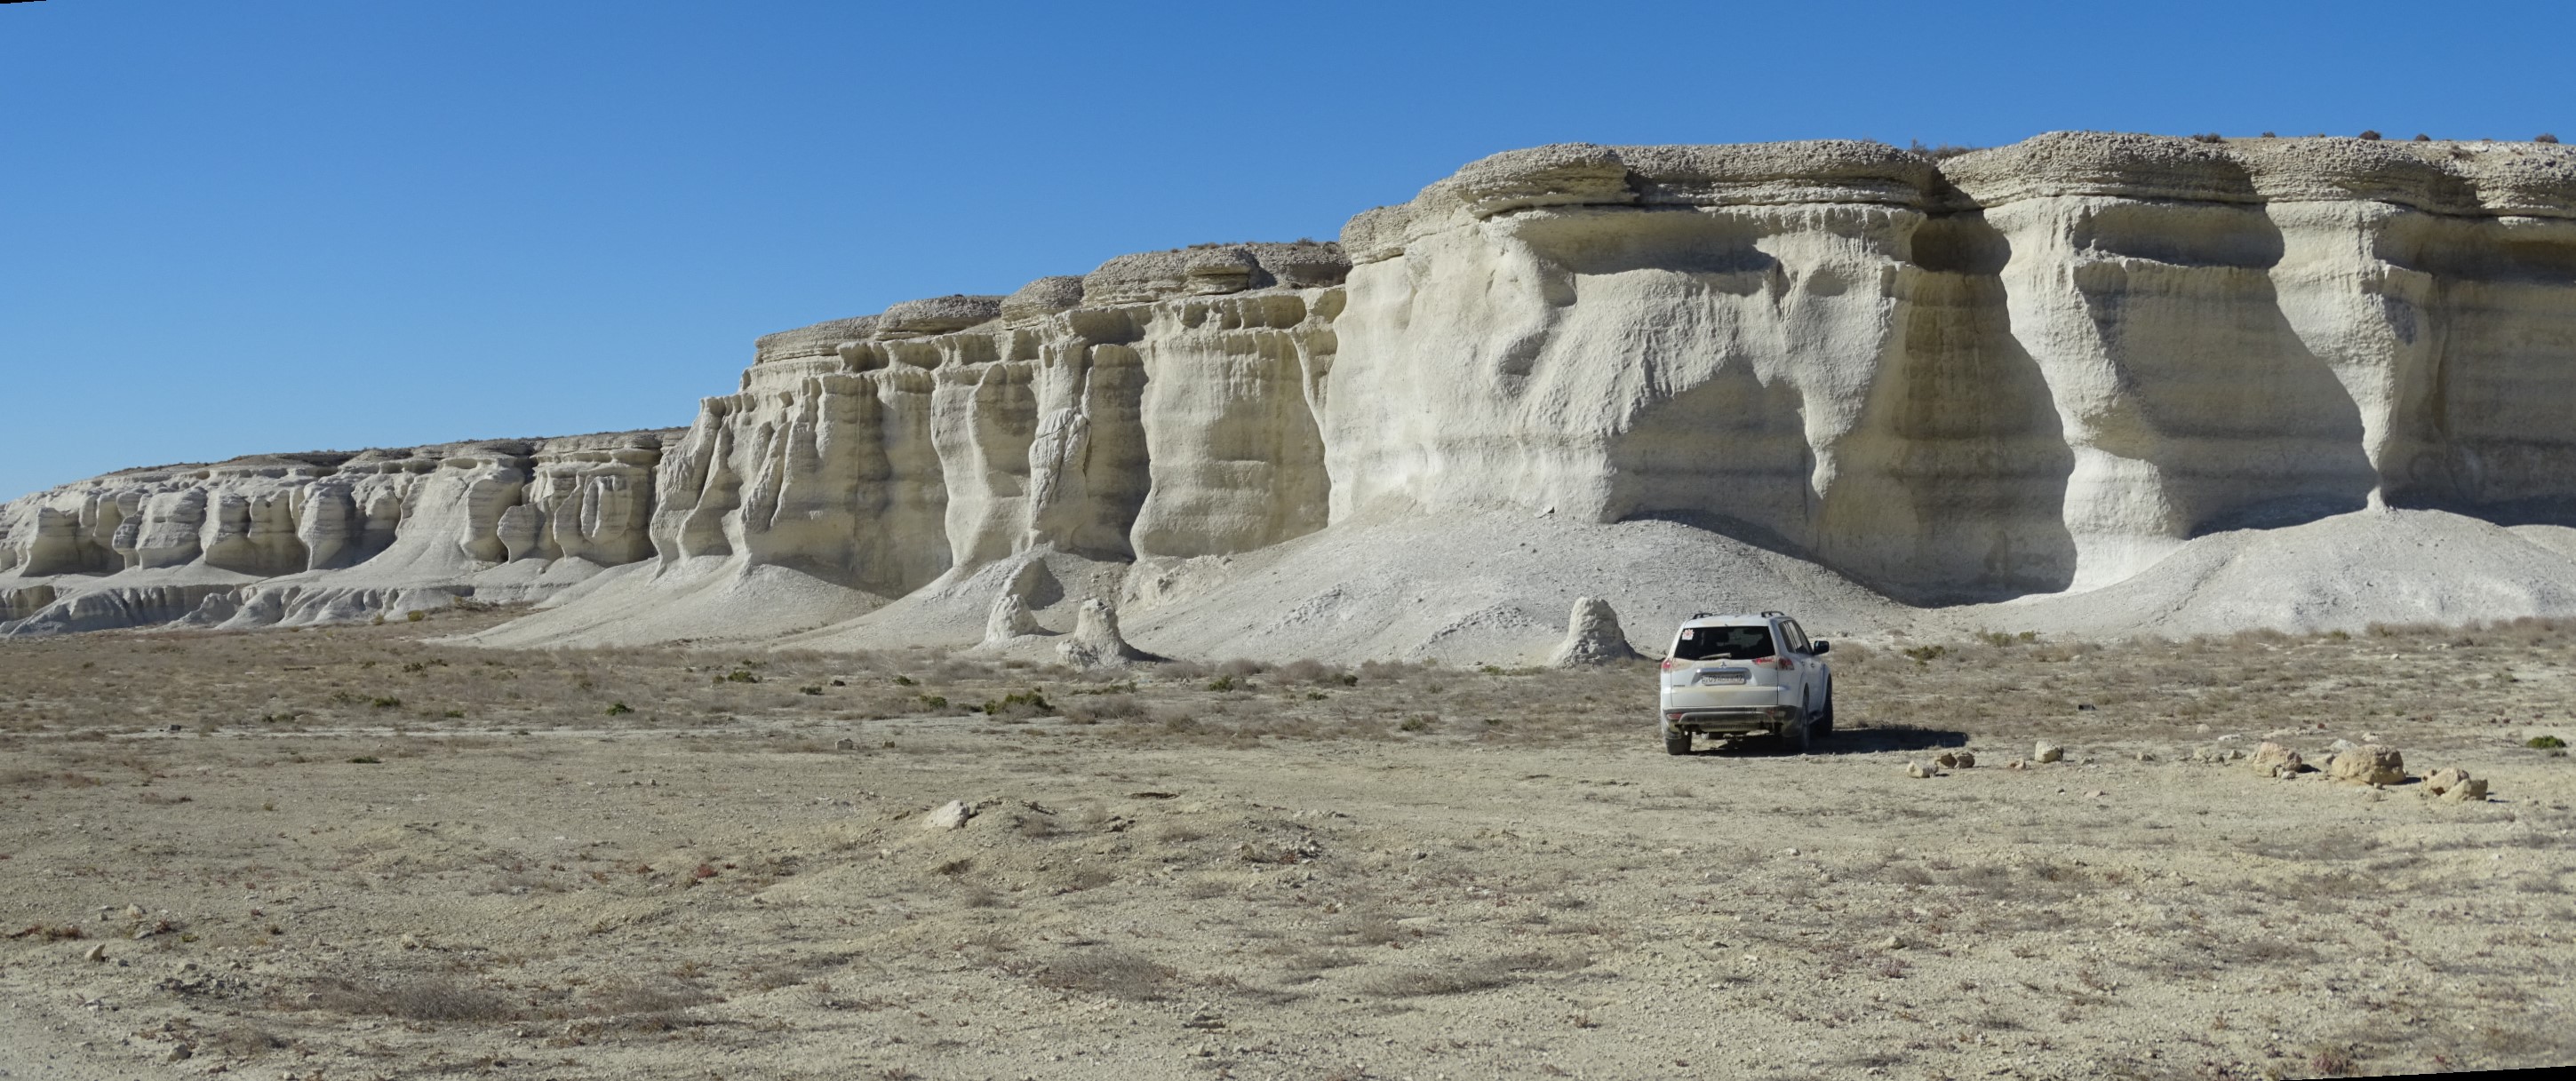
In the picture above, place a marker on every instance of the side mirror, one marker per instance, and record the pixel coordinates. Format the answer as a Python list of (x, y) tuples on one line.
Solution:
[(1819, 648)]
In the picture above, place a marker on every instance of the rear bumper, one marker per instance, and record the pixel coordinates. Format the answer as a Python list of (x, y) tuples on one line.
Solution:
[(1737, 720)]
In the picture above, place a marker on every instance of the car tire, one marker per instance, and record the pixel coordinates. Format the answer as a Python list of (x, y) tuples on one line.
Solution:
[(1676, 741), (1798, 736), (1825, 717)]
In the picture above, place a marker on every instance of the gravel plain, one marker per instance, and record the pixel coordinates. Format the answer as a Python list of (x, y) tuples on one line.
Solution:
[(359, 853)]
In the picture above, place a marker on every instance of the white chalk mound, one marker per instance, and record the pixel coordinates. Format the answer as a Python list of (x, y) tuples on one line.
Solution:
[(1095, 642), (1010, 621), (2086, 383), (1592, 637)]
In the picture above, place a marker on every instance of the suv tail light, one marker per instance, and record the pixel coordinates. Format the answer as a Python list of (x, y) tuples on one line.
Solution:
[(1669, 663)]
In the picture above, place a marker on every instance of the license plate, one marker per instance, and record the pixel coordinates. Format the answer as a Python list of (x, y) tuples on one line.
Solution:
[(1719, 677)]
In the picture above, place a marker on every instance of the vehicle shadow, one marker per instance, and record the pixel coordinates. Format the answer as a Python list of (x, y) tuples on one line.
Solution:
[(1866, 740)]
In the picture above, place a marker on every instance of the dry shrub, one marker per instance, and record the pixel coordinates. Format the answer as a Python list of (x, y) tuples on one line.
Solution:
[(1376, 930), (1309, 671), (414, 998), (1391, 671), (1477, 975), (1106, 707), (240, 1040), (647, 997), (1111, 972)]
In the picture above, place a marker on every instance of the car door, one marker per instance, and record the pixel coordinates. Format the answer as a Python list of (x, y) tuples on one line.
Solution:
[(1793, 641)]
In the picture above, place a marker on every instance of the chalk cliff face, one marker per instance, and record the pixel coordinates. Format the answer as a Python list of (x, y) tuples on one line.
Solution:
[(325, 535), (2033, 368), (2031, 371), (1164, 405)]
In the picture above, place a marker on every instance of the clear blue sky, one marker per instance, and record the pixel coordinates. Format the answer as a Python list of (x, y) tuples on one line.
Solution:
[(230, 226)]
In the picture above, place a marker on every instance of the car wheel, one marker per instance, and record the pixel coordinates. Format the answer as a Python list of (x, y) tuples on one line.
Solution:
[(1798, 735), (1676, 741), (1825, 717)]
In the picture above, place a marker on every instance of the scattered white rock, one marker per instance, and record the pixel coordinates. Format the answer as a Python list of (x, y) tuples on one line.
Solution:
[(2454, 785), (2443, 780), (950, 815), (2368, 764), (2274, 760), (2044, 751)]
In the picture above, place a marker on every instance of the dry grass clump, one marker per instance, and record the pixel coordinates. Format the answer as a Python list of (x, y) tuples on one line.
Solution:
[(1112, 972), (1477, 975), (421, 997), (644, 997), (1315, 673), (1095, 709)]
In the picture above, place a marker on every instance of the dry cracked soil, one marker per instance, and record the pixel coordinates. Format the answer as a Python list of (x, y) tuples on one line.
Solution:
[(359, 853)]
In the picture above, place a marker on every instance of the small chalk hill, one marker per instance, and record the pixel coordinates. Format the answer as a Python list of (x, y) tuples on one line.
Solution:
[(2086, 384)]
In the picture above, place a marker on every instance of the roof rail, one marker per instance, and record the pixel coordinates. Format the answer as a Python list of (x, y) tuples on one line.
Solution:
[(1702, 615), (1776, 612)]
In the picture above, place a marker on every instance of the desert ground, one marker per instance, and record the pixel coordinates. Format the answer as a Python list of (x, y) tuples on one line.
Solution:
[(358, 853)]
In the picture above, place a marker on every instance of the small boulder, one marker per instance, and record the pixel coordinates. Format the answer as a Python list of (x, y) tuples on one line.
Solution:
[(2443, 780), (1966, 760), (2045, 751), (95, 953), (1949, 759), (1917, 769), (2368, 764), (950, 815), (2273, 760), (2472, 790), (845, 743), (1592, 637)]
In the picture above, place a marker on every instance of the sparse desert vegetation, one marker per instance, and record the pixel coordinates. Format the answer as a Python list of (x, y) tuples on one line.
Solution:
[(355, 852)]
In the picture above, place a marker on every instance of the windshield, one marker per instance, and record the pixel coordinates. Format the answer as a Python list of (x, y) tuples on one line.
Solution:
[(1724, 643)]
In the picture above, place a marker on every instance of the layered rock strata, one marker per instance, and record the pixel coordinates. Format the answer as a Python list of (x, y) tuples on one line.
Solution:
[(326, 535), (2026, 369), (1163, 405), (2021, 372)]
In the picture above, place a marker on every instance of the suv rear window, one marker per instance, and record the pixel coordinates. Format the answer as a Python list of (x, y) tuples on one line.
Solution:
[(1724, 643)]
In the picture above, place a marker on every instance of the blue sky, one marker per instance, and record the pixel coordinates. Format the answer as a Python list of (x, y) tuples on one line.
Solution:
[(230, 226)]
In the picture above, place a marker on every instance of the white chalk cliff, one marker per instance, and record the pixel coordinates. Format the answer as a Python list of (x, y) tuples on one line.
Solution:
[(1840, 376), (326, 536)]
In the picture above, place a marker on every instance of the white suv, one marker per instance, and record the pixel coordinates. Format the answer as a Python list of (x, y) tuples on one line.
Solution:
[(1738, 675)]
